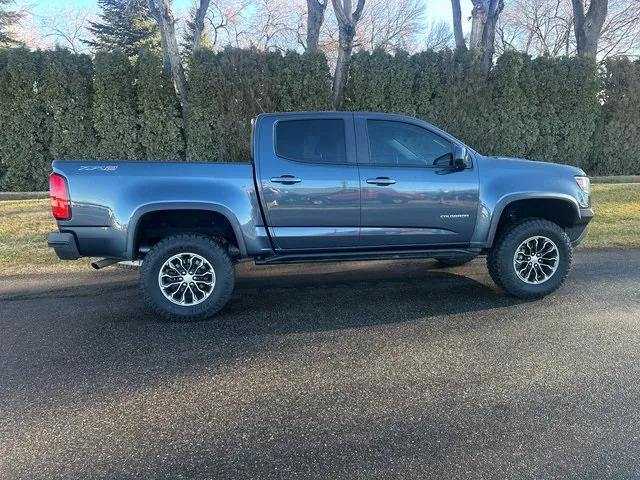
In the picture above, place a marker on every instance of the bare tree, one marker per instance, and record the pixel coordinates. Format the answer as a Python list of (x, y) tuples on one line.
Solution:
[(457, 25), (620, 34), (438, 36), (8, 19), (315, 17), (161, 12), (588, 26), (276, 25), (479, 15), (494, 10), (198, 24), (227, 23), (67, 28), (546, 27), (484, 19), (537, 27), (347, 22), (391, 25)]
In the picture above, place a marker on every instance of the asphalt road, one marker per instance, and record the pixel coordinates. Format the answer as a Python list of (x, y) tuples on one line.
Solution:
[(363, 370)]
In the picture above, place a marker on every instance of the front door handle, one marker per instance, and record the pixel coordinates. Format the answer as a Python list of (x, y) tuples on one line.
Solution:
[(381, 181), (285, 179)]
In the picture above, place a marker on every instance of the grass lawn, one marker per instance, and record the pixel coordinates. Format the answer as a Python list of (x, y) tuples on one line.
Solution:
[(617, 179), (24, 225)]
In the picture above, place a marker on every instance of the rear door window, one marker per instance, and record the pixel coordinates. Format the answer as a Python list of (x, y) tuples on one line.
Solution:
[(312, 141)]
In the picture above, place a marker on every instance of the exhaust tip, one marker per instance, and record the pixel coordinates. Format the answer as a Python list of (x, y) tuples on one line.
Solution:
[(105, 262)]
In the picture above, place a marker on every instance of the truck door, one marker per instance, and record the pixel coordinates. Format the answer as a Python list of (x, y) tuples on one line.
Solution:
[(411, 195), (308, 180)]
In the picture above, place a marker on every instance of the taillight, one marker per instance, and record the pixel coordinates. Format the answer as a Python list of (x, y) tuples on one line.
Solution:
[(60, 202)]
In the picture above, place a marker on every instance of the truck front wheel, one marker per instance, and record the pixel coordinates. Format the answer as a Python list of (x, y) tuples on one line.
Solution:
[(187, 277), (531, 259)]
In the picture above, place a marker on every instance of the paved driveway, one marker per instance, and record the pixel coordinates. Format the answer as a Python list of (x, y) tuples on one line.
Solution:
[(362, 370)]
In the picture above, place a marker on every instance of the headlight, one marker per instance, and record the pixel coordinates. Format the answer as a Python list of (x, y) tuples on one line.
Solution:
[(585, 189)]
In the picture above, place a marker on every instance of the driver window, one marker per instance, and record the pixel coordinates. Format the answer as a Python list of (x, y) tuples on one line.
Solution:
[(403, 144)]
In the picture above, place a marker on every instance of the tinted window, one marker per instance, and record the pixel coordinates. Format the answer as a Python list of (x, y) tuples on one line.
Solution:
[(397, 143), (317, 141)]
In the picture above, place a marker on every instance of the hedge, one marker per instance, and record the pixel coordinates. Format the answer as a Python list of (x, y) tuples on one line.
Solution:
[(55, 104)]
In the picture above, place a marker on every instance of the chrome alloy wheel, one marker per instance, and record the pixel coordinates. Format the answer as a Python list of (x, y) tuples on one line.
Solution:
[(186, 279), (536, 260)]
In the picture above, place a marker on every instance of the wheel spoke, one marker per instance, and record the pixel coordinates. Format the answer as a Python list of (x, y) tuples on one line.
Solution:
[(195, 284), (545, 265)]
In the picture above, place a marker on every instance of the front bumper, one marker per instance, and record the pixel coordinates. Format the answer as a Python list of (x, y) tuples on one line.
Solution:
[(578, 231), (64, 244)]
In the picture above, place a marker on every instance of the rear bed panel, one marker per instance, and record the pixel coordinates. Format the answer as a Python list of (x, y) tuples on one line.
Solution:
[(107, 198)]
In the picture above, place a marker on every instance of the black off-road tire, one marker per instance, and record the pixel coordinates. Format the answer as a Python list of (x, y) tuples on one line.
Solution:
[(492, 266), (455, 261), (201, 245), (500, 261)]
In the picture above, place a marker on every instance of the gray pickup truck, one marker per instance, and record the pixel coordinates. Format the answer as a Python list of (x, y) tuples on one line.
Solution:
[(322, 187)]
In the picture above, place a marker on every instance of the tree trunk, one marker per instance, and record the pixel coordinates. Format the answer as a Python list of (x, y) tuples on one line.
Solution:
[(346, 30), (342, 67), (457, 25), (315, 17), (198, 24), (161, 12), (489, 35), (166, 61), (478, 22), (589, 27)]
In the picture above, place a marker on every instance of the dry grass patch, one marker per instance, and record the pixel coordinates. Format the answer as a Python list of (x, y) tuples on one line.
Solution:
[(24, 225)]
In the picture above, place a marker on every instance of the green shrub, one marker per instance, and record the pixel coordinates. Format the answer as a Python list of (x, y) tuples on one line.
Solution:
[(567, 91), (159, 118), (203, 141), (461, 103), (55, 104), (114, 108), (67, 96), (513, 108), (24, 133), (617, 139)]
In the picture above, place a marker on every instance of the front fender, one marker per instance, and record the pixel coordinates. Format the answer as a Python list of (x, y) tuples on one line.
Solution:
[(490, 212)]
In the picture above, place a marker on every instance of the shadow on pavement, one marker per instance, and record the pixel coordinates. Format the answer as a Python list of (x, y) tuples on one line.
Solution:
[(282, 299)]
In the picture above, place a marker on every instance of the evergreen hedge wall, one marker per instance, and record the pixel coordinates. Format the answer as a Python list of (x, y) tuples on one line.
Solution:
[(55, 104)]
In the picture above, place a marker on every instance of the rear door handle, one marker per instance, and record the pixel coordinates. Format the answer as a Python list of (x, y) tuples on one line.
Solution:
[(381, 181), (285, 179)]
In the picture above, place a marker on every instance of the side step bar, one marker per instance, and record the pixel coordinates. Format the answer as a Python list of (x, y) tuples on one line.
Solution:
[(354, 256)]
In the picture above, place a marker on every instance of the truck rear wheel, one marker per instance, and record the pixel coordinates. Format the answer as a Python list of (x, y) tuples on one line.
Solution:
[(531, 259), (187, 277)]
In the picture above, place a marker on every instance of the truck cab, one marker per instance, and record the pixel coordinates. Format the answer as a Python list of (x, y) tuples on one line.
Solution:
[(363, 181)]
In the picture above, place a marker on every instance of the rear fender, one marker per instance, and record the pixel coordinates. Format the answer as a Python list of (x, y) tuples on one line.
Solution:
[(158, 206)]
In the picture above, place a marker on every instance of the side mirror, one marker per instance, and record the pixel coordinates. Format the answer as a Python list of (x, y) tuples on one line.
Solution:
[(461, 159)]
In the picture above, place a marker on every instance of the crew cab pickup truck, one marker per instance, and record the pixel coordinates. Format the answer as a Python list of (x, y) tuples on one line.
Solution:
[(323, 186)]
